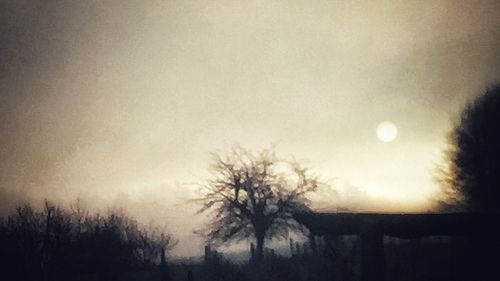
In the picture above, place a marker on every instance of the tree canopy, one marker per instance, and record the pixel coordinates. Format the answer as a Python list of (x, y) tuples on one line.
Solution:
[(254, 195), (471, 175)]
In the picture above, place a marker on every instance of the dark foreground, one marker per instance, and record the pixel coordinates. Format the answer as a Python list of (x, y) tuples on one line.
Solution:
[(54, 244)]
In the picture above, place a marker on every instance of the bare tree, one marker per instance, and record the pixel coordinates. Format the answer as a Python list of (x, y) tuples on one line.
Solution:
[(254, 195), (471, 174)]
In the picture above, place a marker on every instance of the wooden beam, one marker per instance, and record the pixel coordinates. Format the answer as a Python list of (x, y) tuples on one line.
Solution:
[(402, 225)]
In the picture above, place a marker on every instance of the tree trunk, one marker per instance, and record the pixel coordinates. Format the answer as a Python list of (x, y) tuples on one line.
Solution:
[(260, 247), (164, 273)]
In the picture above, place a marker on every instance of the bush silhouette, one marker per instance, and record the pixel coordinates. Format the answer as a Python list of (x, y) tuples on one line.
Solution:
[(56, 244)]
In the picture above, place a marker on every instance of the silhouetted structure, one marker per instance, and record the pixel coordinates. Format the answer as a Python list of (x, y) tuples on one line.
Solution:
[(250, 197), (372, 227)]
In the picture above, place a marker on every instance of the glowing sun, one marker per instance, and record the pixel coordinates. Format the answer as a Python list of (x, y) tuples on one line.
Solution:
[(387, 131)]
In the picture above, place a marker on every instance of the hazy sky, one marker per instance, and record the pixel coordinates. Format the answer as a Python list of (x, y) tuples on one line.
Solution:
[(121, 102)]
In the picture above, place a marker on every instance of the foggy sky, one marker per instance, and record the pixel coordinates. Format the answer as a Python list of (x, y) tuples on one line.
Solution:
[(120, 103)]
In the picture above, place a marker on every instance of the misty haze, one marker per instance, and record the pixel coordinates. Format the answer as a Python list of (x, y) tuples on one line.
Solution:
[(252, 140)]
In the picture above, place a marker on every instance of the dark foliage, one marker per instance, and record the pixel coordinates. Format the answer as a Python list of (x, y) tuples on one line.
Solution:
[(55, 244), (254, 195), (471, 175)]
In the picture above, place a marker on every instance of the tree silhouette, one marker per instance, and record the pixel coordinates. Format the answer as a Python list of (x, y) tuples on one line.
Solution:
[(471, 175), (254, 195), (56, 244)]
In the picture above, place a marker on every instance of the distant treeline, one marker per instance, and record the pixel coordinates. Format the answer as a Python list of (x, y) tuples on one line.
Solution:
[(53, 243)]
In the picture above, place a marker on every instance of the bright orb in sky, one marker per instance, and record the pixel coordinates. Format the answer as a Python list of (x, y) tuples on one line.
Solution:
[(387, 131)]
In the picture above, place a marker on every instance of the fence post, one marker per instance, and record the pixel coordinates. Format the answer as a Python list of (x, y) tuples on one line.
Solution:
[(252, 253), (208, 253), (372, 254)]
